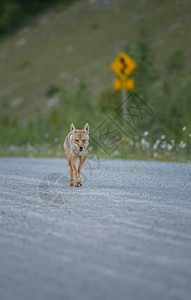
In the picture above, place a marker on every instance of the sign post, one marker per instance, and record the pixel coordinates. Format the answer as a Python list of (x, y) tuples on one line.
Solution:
[(124, 103), (123, 66)]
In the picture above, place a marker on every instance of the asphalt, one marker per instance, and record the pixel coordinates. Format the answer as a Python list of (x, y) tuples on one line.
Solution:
[(125, 234)]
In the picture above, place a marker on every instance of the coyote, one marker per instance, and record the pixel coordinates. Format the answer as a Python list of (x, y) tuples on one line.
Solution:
[(76, 146)]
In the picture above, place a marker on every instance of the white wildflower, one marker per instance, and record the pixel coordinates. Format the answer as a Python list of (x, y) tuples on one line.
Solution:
[(163, 137), (29, 147), (184, 128), (147, 145), (145, 133), (12, 148), (155, 146), (182, 145), (163, 145), (144, 143), (169, 147), (131, 142)]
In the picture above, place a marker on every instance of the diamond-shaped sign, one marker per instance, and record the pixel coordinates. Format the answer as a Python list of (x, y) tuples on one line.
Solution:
[(123, 65)]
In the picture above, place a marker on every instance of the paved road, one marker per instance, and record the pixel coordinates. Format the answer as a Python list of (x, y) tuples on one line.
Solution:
[(125, 234)]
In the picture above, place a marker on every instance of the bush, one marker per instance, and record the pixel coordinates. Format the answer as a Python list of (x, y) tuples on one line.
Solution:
[(52, 90)]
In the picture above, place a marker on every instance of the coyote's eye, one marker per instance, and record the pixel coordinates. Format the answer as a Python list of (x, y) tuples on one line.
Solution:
[(77, 141), (83, 141)]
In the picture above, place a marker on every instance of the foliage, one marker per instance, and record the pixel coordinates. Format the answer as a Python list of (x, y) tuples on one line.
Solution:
[(15, 13), (167, 93), (55, 123), (52, 90)]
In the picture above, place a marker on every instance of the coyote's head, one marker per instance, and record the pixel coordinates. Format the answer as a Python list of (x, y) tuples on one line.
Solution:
[(79, 138)]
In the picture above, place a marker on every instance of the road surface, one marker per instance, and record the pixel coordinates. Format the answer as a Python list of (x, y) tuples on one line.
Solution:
[(125, 234)]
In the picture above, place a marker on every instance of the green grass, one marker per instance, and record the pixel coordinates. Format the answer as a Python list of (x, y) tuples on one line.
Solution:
[(62, 46), (50, 150), (56, 70)]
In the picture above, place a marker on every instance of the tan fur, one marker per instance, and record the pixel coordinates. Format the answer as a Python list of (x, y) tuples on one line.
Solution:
[(76, 146)]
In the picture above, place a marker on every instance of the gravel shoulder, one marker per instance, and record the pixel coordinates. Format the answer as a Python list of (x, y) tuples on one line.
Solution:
[(125, 234)]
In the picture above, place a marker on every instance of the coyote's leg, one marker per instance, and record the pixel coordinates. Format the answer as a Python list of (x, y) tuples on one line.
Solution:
[(73, 163), (81, 161), (71, 170)]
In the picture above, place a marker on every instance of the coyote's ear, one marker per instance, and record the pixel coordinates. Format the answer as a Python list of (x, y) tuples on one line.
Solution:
[(86, 128), (72, 128)]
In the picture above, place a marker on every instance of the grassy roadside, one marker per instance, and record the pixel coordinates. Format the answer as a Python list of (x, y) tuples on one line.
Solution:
[(64, 46), (139, 149), (56, 70)]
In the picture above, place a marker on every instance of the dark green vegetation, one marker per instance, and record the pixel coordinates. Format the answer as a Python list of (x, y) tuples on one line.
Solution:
[(57, 70), (17, 13)]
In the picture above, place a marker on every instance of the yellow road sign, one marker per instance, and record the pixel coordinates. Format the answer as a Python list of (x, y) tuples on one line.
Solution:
[(123, 65), (124, 84)]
